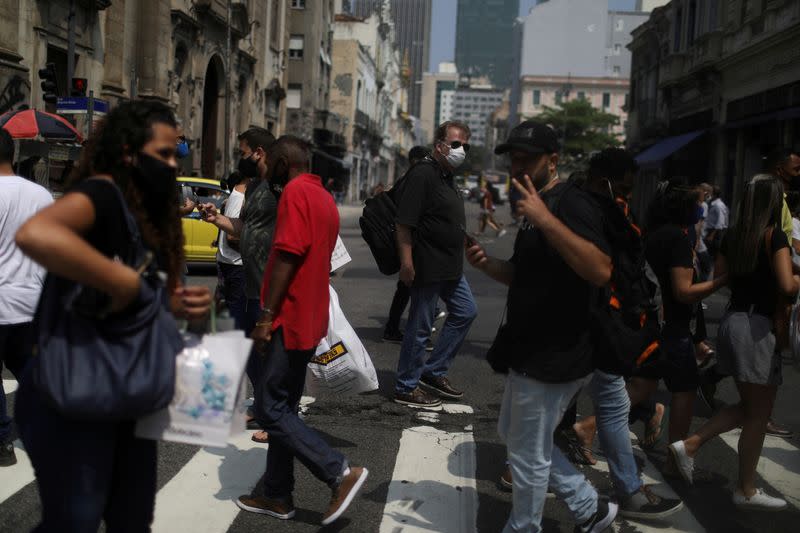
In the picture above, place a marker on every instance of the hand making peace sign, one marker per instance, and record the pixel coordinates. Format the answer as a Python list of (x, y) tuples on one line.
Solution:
[(530, 204)]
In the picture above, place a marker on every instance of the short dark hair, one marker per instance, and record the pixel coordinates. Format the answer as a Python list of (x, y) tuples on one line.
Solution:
[(234, 179), (444, 127), (295, 151), (418, 153), (612, 164), (6, 147), (777, 157), (256, 137)]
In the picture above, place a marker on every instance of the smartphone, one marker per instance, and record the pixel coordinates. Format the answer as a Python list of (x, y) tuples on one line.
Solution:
[(469, 238)]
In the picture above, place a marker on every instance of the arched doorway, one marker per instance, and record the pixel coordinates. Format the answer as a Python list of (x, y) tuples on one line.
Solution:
[(213, 92)]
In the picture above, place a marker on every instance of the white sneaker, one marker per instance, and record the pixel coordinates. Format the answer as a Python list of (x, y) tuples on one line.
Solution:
[(760, 500), (684, 463), (501, 233)]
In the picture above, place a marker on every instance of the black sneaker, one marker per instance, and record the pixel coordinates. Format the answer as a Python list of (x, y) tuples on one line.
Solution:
[(394, 337), (441, 386), (7, 455), (648, 505), (417, 398), (606, 513)]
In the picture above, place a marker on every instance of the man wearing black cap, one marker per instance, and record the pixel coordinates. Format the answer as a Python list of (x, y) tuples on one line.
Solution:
[(560, 257), (430, 242)]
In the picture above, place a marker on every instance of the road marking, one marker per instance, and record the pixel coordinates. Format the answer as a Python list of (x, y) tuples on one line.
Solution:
[(457, 409), (17, 476), (683, 521), (433, 486), (779, 464), (200, 498), (9, 385)]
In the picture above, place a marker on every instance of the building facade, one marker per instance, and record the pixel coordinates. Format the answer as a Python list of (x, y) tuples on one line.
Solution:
[(484, 39), (606, 94), (412, 26), (433, 85), (168, 50), (474, 106), (714, 87)]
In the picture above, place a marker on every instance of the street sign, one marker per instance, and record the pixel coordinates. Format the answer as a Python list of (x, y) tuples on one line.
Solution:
[(79, 105)]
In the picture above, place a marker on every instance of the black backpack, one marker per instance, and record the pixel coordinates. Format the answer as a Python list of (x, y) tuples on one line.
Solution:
[(625, 323), (378, 224)]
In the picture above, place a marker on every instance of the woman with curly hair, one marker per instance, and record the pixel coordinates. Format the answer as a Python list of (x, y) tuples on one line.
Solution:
[(88, 470)]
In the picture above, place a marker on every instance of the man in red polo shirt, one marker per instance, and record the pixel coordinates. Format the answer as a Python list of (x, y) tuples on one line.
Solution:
[(295, 299)]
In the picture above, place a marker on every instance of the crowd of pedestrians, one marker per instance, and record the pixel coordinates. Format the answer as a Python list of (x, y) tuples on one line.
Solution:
[(113, 244)]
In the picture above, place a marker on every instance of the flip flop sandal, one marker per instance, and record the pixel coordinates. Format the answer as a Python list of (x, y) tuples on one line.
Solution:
[(260, 441), (651, 436), (579, 455)]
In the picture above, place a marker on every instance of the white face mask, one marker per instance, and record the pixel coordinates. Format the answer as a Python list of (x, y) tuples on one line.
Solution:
[(455, 158)]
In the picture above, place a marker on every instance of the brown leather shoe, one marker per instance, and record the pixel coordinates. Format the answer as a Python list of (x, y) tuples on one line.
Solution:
[(441, 386), (343, 495), (417, 398), (261, 505)]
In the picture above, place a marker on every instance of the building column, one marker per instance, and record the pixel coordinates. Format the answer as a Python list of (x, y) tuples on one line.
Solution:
[(15, 82), (154, 48)]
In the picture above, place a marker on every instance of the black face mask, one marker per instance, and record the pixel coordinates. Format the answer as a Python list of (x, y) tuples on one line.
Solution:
[(247, 167), (795, 183), (156, 182)]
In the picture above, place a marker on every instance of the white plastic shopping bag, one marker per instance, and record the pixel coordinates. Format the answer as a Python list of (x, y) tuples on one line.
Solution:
[(341, 363), (208, 406)]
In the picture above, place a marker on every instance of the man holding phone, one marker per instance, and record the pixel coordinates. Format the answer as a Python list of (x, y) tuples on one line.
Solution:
[(430, 242)]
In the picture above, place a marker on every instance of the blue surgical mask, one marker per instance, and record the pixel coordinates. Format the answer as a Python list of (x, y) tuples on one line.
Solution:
[(182, 150)]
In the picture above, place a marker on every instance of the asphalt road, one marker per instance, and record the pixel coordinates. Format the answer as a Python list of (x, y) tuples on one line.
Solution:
[(429, 471)]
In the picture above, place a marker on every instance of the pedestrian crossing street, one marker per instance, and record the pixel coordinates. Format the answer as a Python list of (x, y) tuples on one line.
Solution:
[(432, 487)]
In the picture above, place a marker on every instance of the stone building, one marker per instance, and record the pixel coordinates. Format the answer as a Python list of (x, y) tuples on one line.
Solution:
[(714, 87), (168, 50)]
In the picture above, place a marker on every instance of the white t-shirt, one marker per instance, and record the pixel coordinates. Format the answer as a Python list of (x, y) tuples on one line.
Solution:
[(795, 237), (717, 216), (226, 254), (21, 278)]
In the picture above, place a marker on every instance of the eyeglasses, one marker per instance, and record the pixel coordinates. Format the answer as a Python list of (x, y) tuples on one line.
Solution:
[(455, 145)]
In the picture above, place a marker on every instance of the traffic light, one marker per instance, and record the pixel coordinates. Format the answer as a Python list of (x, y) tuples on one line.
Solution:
[(49, 84), (78, 87)]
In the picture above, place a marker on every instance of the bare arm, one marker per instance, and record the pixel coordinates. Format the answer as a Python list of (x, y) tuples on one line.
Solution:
[(497, 269), (687, 292), (231, 226), (582, 256), (782, 266), (405, 245), (53, 238)]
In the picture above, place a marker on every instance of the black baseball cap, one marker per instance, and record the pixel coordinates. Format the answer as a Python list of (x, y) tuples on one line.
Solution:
[(532, 137)]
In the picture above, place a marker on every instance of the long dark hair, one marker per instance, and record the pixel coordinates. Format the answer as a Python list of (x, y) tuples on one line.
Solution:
[(124, 131), (673, 203), (759, 209)]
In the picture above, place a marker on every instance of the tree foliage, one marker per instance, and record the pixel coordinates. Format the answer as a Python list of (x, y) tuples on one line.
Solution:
[(588, 129)]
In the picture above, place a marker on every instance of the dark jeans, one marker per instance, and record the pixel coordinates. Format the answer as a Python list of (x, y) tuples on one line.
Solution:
[(87, 471), (252, 312), (399, 304), (277, 399), (16, 342), (233, 292)]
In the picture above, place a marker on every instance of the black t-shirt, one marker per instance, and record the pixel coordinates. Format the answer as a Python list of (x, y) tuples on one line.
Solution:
[(109, 233), (429, 202), (548, 303), (666, 248), (759, 288), (259, 214)]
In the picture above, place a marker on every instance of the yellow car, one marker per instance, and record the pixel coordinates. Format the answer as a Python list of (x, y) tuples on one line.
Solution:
[(201, 237)]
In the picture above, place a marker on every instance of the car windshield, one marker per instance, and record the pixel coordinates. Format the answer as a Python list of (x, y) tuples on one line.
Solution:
[(203, 194)]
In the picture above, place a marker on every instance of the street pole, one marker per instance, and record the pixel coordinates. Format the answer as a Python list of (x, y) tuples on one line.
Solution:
[(225, 159), (70, 45), (90, 114)]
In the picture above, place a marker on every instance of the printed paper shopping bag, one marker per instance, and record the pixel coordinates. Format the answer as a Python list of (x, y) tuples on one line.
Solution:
[(208, 406), (341, 363)]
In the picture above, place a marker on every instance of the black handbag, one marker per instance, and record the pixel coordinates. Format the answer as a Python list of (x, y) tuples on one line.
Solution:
[(98, 366)]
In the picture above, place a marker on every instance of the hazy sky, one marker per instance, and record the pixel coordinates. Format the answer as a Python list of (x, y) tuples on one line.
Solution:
[(443, 26)]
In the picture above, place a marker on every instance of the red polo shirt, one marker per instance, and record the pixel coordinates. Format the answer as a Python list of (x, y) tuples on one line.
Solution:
[(307, 226)]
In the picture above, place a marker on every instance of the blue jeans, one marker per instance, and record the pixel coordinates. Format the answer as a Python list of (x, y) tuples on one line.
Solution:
[(529, 415), (461, 310), (612, 407), (87, 470), (16, 344), (252, 312), (233, 291), (277, 398)]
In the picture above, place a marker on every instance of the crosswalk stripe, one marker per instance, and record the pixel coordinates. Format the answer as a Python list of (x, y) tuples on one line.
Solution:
[(9, 385), (17, 476), (433, 486), (202, 493), (779, 464), (680, 522)]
